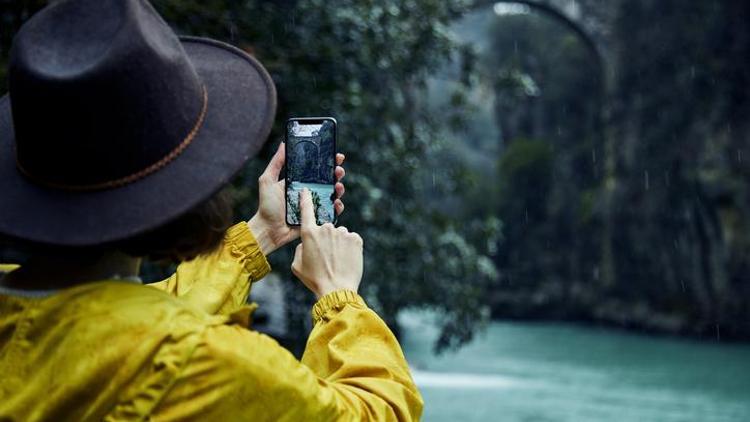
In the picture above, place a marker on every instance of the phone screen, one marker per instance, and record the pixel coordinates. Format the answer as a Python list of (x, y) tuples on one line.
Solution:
[(310, 163)]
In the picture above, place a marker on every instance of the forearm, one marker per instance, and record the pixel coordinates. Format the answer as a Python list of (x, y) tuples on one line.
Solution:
[(351, 346), (263, 235), (353, 370), (219, 282)]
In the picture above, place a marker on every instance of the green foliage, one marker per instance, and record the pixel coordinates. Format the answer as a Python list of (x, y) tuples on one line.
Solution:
[(525, 177), (12, 15), (526, 158), (293, 208), (316, 205)]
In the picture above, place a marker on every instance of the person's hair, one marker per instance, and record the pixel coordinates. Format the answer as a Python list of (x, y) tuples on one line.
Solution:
[(196, 232)]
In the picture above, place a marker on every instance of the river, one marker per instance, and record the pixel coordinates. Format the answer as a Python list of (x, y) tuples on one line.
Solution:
[(533, 372)]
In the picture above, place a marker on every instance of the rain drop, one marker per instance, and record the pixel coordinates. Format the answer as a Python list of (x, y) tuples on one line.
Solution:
[(646, 181)]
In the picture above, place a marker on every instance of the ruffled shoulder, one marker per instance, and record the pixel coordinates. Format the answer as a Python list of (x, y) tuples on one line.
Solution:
[(158, 375)]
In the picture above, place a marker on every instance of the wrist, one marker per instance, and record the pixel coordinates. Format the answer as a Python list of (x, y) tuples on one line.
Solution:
[(262, 233), (334, 302), (325, 289)]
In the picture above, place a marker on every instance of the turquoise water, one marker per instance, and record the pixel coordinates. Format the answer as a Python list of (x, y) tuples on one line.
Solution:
[(528, 372), (324, 213)]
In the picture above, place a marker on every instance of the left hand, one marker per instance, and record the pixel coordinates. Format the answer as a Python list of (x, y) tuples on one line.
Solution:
[(268, 225)]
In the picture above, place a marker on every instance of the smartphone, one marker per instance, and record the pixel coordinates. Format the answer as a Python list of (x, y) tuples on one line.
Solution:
[(311, 164)]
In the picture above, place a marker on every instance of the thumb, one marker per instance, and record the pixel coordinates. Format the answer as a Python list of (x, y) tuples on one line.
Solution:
[(307, 213), (297, 261), (274, 167)]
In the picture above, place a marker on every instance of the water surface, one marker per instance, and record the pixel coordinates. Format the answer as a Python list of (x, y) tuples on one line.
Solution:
[(531, 372), (324, 191)]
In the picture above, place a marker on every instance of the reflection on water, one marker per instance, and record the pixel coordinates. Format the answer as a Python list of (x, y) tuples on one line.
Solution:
[(555, 372), (449, 380)]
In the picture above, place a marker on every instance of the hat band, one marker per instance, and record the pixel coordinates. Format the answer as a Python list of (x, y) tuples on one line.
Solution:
[(111, 184)]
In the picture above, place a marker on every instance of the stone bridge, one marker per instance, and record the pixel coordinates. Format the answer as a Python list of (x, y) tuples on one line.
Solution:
[(300, 155), (568, 13)]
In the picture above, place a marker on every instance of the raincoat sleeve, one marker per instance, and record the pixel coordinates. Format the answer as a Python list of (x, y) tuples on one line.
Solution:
[(219, 282), (353, 369), (6, 268)]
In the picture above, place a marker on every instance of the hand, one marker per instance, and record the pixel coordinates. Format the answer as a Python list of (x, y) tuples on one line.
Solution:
[(329, 258), (268, 225)]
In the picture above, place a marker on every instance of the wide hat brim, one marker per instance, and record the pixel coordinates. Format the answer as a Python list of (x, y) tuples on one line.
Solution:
[(241, 110)]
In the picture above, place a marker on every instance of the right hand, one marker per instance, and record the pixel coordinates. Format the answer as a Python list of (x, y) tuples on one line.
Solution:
[(329, 258), (268, 225)]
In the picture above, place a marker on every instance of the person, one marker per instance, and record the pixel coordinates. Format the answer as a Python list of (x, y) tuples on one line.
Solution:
[(114, 140)]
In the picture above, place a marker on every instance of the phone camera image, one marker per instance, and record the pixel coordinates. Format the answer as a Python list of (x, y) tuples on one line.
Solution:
[(310, 164)]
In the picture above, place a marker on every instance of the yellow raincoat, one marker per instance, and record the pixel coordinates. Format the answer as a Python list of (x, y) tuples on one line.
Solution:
[(180, 350)]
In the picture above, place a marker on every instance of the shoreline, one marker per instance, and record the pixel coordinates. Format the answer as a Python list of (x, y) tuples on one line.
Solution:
[(716, 333)]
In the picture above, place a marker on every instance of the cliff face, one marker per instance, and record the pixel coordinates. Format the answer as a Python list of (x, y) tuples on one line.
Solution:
[(627, 205), (327, 153)]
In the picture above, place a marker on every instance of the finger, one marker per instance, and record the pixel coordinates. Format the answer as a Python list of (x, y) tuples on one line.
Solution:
[(340, 158), (297, 253), (277, 163), (342, 229), (340, 190), (338, 206), (297, 259), (307, 213), (340, 173)]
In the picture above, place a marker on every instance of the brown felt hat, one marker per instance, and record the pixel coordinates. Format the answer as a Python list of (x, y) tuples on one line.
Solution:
[(114, 125)]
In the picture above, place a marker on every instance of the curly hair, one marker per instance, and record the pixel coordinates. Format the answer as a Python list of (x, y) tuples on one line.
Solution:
[(196, 232)]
